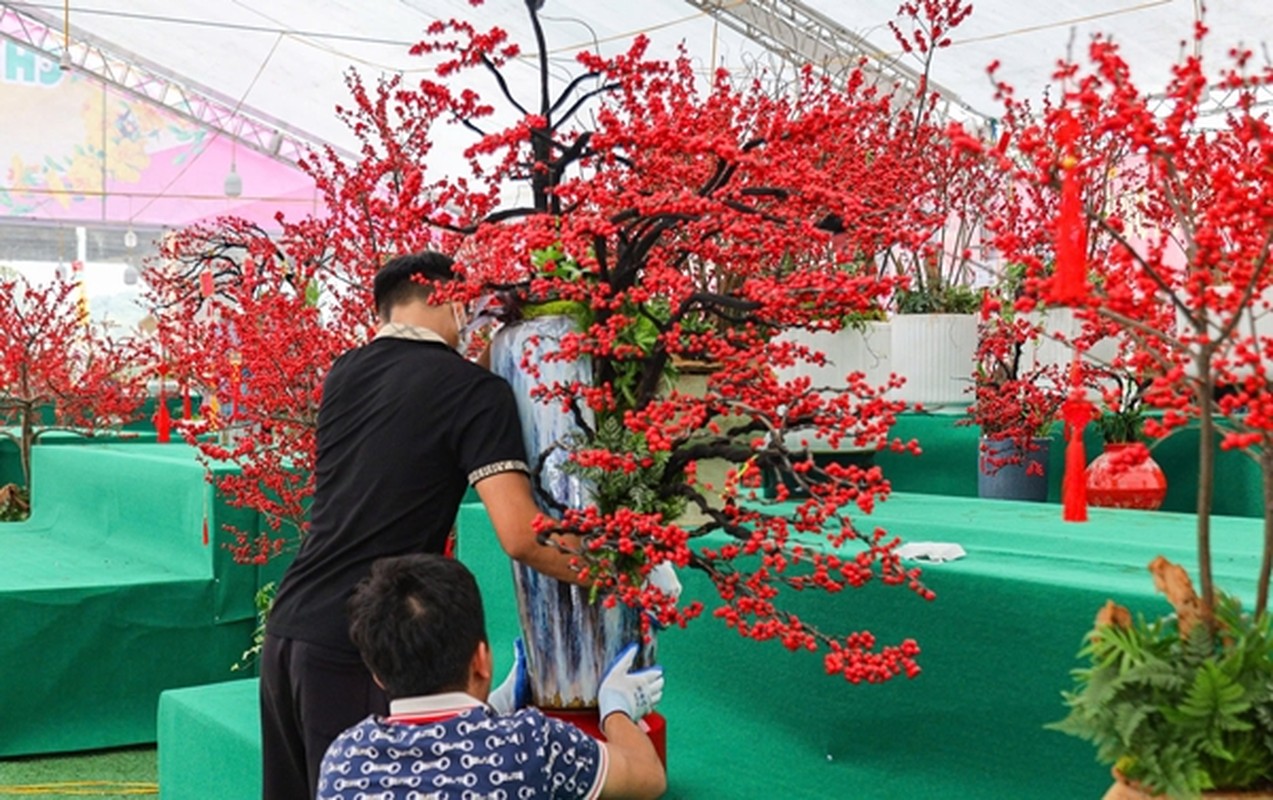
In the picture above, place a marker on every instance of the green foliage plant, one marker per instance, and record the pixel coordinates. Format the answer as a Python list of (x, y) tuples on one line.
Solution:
[(1175, 708), (263, 600), (942, 299), (15, 503)]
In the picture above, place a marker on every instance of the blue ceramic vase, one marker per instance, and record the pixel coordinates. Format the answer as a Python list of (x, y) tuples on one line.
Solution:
[(569, 641), (1025, 480)]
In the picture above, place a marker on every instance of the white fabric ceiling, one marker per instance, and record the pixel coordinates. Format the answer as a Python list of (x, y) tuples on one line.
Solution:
[(286, 57)]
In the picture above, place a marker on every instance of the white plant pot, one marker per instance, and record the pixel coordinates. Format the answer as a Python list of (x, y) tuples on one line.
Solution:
[(936, 354), (1053, 349), (570, 640), (864, 349)]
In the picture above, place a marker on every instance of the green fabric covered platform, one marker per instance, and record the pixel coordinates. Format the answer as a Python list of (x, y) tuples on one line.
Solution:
[(751, 721), (948, 464), (110, 595)]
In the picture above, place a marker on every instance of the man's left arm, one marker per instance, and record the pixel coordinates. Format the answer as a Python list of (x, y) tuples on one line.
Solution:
[(511, 507)]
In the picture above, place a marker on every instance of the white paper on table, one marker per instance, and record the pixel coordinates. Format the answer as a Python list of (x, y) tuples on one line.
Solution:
[(932, 552)]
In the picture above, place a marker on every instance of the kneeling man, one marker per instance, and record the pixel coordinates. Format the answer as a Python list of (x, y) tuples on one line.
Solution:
[(418, 622)]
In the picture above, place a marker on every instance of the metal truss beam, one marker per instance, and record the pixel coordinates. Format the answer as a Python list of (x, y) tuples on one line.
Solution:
[(133, 75), (801, 35), (1221, 101)]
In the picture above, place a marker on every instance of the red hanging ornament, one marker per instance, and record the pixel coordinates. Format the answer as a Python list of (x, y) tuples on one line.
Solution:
[(163, 422), (185, 403), (1069, 282), (206, 285), (1076, 411)]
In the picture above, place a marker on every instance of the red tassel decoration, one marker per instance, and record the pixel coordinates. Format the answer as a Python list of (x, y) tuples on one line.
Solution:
[(1069, 282), (163, 423), (206, 286), (205, 531), (1076, 412), (186, 410)]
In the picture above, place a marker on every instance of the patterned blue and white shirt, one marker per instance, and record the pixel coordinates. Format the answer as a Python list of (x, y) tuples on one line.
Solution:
[(454, 747)]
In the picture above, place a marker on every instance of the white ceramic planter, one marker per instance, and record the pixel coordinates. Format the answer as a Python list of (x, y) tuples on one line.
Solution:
[(1060, 327), (864, 349), (936, 354)]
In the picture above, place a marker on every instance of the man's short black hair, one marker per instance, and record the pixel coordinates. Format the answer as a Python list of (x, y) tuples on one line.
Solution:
[(418, 620), (394, 283)]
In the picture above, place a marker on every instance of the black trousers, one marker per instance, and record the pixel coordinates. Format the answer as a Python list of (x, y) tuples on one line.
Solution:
[(309, 695)]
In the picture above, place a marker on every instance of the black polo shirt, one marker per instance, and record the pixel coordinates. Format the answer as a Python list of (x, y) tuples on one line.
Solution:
[(403, 428)]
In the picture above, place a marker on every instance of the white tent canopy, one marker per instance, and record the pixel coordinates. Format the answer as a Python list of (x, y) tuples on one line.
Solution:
[(286, 58)]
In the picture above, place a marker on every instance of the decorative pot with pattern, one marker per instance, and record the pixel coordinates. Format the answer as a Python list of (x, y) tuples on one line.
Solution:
[(569, 640)]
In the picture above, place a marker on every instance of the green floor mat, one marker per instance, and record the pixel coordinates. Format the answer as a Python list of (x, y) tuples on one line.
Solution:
[(120, 773)]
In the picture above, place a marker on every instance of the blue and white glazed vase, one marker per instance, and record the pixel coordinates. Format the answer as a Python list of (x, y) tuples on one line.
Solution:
[(569, 640)]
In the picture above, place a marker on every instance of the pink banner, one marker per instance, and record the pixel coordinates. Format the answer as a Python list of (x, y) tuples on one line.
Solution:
[(79, 151)]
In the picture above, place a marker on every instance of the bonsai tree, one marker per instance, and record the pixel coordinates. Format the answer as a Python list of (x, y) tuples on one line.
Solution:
[(622, 211), (59, 371), (1172, 246)]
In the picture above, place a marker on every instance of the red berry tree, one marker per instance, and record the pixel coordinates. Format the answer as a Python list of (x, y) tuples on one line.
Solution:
[(1154, 216), (59, 370), (250, 322), (639, 178)]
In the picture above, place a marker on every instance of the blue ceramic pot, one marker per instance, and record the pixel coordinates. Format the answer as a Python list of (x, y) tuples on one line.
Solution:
[(1027, 479), (569, 641)]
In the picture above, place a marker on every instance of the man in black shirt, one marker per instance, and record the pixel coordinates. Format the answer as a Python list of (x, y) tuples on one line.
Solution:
[(405, 425)]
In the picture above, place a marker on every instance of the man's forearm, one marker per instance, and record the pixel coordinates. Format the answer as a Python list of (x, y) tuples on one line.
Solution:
[(636, 773)]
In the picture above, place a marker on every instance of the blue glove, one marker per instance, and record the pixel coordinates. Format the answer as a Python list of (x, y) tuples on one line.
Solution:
[(632, 693), (514, 692)]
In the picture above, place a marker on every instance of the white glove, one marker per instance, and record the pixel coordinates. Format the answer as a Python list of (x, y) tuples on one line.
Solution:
[(514, 692), (663, 577), (632, 693)]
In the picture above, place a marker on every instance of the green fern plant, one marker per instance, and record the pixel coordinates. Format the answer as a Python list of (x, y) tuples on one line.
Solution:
[(1179, 713)]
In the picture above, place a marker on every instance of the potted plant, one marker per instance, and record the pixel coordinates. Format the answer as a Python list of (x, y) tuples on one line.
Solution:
[(615, 445), (1182, 704), (59, 371), (1014, 405), (621, 207), (934, 309), (1124, 475)]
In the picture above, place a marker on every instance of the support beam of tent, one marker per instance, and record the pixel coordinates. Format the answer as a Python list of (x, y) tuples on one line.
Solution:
[(129, 73), (801, 35)]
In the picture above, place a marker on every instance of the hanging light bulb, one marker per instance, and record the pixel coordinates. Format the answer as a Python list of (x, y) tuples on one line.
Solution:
[(64, 62), (60, 272), (131, 275), (130, 238), (233, 183)]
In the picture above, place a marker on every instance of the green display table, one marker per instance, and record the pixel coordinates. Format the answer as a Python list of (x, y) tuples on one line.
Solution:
[(210, 742), (752, 721), (948, 464), (110, 594)]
